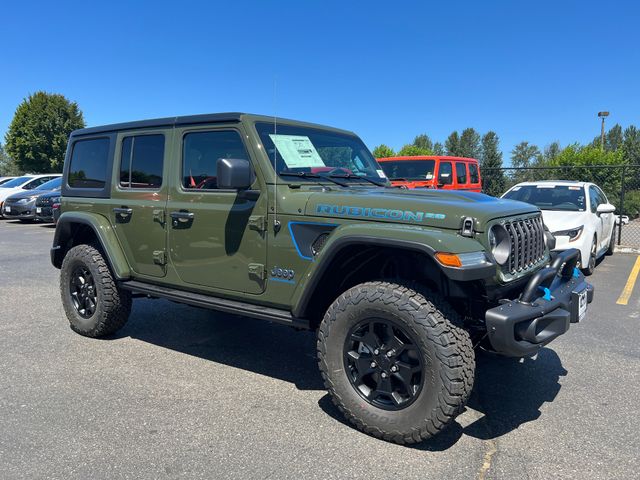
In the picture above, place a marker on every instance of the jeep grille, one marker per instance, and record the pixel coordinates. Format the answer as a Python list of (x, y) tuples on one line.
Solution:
[(527, 243)]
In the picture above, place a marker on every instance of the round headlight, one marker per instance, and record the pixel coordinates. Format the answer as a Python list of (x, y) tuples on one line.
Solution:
[(500, 244)]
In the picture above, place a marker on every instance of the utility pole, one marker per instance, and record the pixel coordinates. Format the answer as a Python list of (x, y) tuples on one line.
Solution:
[(602, 115)]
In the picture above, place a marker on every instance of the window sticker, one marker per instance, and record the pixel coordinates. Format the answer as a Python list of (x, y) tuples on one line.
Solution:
[(297, 151), (381, 173)]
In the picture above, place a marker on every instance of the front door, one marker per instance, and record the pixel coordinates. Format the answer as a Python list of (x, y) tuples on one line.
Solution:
[(139, 199), (216, 237)]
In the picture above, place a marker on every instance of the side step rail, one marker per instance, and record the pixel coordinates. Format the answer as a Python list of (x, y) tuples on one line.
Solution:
[(215, 303)]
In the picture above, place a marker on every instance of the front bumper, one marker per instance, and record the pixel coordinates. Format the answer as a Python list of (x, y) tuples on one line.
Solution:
[(547, 306), (21, 211)]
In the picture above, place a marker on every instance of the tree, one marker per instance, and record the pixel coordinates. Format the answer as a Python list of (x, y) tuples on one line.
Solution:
[(424, 142), (551, 151), (522, 157), (438, 149), (469, 144), (383, 151), (412, 150), (631, 145), (7, 165), (613, 138), (494, 182), (38, 134), (452, 144)]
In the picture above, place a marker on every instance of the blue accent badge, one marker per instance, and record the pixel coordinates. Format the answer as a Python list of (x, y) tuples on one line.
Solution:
[(547, 293)]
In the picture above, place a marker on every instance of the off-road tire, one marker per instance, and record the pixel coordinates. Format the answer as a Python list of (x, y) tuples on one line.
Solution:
[(612, 242), (446, 349), (113, 305)]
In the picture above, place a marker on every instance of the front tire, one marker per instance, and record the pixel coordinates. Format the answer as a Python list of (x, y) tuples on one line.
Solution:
[(395, 361), (591, 262), (94, 305), (612, 242)]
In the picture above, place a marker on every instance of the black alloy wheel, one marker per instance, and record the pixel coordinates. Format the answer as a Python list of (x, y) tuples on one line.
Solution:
[(383, 364), (83, 292)]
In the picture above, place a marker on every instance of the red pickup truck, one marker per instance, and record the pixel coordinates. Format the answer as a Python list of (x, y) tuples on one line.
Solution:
[(433, 171)]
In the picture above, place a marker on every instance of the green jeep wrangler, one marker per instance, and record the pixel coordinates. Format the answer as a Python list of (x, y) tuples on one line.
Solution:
[(296, 223)]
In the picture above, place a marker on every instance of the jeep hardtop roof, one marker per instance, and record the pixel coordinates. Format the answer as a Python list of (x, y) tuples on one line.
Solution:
[(227, 117)]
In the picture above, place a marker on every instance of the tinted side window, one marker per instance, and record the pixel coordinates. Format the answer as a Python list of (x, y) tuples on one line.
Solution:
[(445, 173), (473, 173), (603, 197), (200, 154), (141, 161), (88, 168), (461, 172)]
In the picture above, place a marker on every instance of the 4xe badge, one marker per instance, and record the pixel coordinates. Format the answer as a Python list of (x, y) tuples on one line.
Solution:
[(284, 273)]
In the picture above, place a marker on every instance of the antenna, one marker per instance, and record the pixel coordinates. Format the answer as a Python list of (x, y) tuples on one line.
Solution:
[(276, 222)]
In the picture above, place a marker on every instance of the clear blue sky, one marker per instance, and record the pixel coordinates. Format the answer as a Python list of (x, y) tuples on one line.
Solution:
[(387, 70)]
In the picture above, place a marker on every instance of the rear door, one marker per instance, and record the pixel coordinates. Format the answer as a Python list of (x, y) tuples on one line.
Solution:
[(139, 199), (461, 176)]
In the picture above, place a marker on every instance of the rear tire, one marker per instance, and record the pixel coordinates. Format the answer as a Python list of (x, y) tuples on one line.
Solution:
[(419, 337), (94, 305)]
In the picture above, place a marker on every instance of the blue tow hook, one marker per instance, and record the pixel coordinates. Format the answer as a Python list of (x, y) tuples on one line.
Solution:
[(576, 272), (547, 293)]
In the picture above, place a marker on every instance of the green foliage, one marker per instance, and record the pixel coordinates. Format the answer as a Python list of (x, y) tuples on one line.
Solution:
[(551, 151), (37, 137), (469, 145), (493, 179), (383, 151), (424, 142), (452, 144), (438, 149), (631, 205), (525, 155), (7, 165), (413, 150), (631, 145)]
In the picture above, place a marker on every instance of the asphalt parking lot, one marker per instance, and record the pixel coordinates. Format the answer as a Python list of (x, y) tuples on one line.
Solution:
[(187, 393)]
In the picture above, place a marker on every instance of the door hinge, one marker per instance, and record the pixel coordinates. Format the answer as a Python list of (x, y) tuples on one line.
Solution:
[(158, 216), (258, 222), (159, 257), (257, 270)]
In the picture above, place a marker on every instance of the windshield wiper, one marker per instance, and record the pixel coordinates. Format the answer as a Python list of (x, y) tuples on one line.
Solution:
[(352, 175), (311, 175)]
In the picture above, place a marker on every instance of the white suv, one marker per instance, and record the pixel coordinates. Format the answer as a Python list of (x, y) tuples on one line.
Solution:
[(577, 213)]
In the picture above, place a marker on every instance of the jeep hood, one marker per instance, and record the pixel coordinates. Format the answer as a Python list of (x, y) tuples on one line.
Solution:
[(435, 208)]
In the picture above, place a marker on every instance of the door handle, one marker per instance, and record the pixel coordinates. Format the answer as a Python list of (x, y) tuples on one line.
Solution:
[(124, 211), (182, 215)]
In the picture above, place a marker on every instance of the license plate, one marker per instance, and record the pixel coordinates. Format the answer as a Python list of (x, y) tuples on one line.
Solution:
[(38, 209), (7, 209), (582, 304)]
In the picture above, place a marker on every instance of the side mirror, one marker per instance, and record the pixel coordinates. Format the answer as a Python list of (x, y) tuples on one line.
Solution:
[(234, 174), (605, 208)]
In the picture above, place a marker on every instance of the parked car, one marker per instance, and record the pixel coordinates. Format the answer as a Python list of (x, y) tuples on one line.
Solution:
[(47, 206), (577, 213), (622, 218), (22, 205), (25, 182), (4, 180), (448, 173), (399, 284)]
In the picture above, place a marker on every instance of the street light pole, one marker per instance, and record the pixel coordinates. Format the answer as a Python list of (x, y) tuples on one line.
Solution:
[(602, 115)]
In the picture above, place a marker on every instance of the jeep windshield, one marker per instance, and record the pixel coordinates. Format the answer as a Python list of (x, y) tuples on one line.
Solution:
[(550, 197), (313, 154), (409, 169)]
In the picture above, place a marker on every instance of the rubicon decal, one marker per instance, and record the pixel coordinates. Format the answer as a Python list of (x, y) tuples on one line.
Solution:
[(383, 213)]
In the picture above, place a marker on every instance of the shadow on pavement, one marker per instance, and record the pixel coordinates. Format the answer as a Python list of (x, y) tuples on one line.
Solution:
[(507, 392)]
